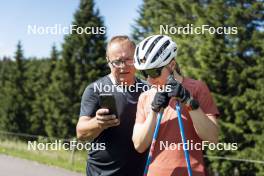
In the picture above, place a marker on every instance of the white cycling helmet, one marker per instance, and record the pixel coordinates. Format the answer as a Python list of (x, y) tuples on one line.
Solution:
[(154, 52)]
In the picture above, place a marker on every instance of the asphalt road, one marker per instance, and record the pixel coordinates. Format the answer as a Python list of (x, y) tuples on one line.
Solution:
[(11, 166)]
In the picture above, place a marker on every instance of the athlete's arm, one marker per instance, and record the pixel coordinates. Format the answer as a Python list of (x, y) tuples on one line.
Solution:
[(143, 132), (206, 126)]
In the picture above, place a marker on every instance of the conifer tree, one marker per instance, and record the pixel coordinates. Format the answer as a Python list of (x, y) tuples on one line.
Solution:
[(83, 61), (14, 105)]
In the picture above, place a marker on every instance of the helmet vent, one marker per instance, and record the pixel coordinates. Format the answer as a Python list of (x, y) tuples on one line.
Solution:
[(167, 57), (146, 43), (162, 48), (152, 45), (137, 56)]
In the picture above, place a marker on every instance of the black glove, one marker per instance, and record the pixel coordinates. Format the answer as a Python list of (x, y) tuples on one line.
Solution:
[(161, 100), (178, 91)]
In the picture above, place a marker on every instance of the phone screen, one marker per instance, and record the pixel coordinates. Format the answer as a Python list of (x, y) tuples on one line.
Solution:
[(108, 101)]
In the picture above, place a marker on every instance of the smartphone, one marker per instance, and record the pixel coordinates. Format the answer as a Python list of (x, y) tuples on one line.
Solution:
[(108, 101)]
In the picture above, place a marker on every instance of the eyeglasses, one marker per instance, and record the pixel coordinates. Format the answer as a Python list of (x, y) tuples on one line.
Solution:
[(121, 62), (153, 73)]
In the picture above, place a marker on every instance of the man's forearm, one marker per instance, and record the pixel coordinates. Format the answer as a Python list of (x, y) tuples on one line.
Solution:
[(87, 128), (205, 126)]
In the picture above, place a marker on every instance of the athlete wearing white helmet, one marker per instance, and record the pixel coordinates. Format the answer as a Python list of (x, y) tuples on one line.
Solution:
[(155, 57), (154, 52)]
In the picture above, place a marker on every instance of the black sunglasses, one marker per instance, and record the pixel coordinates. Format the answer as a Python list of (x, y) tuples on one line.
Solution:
[(153, 73)]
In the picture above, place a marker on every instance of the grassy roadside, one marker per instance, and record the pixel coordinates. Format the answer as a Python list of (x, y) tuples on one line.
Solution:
[(59, 158)]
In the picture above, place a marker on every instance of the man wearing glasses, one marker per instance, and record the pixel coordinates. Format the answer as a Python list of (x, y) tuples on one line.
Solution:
[(95, 123)]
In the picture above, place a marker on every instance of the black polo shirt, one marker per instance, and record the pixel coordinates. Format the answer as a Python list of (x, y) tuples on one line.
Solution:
[(119, 157)]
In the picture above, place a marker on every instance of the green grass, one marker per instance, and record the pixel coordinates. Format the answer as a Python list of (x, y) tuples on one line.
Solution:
[(59, 158)]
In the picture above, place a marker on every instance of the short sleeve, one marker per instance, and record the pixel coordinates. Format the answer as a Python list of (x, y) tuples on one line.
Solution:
[(206, 101), (89, 102), (140, 115)]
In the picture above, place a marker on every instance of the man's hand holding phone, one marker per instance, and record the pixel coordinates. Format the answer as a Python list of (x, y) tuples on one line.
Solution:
[(106, 120)]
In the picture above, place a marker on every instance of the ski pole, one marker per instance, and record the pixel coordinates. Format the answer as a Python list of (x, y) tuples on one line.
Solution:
[(155, 135), (186, 152)]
